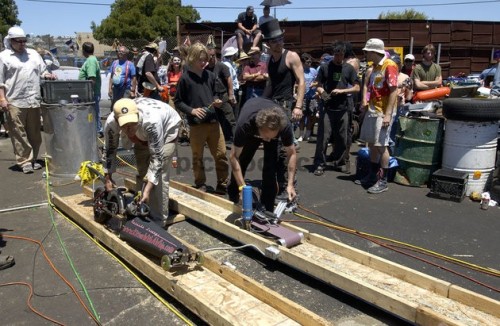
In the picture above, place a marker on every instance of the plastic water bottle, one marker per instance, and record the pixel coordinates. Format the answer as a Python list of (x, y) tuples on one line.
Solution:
[(247, 206)]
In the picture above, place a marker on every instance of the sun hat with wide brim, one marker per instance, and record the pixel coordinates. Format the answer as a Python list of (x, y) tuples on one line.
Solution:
[(374, 45), (243, 56)]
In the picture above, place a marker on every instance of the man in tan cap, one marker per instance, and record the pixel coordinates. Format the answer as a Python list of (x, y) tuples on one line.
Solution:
[(255, 74), (150, 127), (376, 128)]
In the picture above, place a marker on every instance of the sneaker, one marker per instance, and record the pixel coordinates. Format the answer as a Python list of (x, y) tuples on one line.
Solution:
[(367, 181), (282, 196), (320, 170), (37, 166), (300, 139), (202, 187), (27, 168), (378, 187), (221, 189), (344, 168)]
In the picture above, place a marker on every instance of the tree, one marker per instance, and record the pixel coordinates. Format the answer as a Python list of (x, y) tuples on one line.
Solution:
[(408, 14), (8, 16), (143, 19)]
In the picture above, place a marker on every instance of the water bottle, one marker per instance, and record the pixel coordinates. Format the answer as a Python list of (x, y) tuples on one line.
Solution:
[(247, 206)]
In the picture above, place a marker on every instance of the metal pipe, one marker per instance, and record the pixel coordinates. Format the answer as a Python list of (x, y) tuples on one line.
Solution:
[(17, 208)]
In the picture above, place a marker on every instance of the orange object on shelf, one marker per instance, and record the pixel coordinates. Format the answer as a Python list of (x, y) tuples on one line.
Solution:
[(431, 94)]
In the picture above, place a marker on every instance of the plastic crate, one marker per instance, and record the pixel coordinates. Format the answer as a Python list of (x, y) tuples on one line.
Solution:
[(54, 91), (448, 184)]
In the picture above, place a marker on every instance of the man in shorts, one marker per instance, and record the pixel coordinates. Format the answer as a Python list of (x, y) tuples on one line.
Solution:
[(376, 128)]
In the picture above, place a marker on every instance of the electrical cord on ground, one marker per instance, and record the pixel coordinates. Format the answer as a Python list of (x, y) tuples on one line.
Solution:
[(235, 248), (485, 270), (117, 259), (372, 238), (68, 257), (28, 301)]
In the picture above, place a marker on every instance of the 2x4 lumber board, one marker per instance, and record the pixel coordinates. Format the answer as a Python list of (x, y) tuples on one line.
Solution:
[(422, 280), (376, 287), (211, 297), (249, 285)]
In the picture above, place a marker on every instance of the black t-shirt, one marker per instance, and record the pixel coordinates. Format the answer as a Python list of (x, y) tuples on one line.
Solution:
[(222, 72), (333, 76), (246, 21), (149, 65), (246, 127)]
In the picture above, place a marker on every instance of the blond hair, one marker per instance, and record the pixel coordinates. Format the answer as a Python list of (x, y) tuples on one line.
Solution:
[(195, 52)]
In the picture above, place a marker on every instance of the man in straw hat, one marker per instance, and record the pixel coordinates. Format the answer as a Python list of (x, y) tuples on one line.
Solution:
[(151, 127), (376, 128), (20, 72), (147, 72), (285, 70)]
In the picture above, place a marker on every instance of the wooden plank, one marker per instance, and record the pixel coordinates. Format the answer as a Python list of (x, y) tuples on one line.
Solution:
[(391, 293), (211, 297)]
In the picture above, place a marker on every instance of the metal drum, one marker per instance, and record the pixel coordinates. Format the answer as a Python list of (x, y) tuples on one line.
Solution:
[(418, 150), (471, 147), (70, 137)]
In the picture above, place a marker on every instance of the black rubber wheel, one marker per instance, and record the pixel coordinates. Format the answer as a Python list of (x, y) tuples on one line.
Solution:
[(99, 197), (471, 109)]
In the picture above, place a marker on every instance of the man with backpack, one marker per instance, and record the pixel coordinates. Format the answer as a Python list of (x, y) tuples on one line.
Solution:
[(123, 80)]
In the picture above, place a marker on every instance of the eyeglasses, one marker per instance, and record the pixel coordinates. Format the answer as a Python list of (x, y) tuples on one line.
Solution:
[(276, 40), (19, 41), (408, 60), (176, 61)]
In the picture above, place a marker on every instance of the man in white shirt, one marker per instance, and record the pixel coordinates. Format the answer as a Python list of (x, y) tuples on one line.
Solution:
[(151, 127), (20, 72)]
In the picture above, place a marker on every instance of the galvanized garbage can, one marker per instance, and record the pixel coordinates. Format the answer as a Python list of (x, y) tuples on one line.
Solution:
[(70, 136), (418, 150)]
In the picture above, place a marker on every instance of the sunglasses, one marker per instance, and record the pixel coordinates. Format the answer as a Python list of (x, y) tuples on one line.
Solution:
[(19, 41)]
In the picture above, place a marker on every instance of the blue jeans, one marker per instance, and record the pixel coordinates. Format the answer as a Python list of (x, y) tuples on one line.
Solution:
[(98, 124)]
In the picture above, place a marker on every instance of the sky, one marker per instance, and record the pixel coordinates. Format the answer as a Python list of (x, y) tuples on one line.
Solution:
[(66, 17)]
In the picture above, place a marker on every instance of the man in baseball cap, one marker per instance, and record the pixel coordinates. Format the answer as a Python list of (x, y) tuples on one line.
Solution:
[(408, 64), (149, 126)]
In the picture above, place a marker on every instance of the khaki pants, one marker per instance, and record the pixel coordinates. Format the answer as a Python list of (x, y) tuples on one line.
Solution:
[(210, 133), (24, 131), (158, 199)]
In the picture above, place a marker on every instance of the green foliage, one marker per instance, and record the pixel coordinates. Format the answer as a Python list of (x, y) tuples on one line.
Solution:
[(143, 19), (408, 14), (8, 16)]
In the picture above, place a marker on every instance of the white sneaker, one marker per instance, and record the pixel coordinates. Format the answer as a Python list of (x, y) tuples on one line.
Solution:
[(300, 139)]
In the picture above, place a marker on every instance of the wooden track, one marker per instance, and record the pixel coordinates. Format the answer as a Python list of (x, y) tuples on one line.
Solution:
[(217, 294), (412, 295)]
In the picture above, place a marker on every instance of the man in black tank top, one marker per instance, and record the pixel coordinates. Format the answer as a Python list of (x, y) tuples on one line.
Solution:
[(285, 71)]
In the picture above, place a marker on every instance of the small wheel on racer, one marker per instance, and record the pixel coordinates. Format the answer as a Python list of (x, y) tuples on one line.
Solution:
[(100, 216), (166, 263), (200, 258)]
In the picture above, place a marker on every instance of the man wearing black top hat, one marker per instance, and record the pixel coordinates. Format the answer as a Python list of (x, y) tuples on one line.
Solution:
[(284, 70)]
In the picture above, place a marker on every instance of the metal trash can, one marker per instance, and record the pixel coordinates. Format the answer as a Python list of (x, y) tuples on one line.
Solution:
[(70, 136), (418, 150)]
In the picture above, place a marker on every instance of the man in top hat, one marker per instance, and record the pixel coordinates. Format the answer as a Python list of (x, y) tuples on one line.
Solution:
[(285, 70), (147, 72), (376, 127), (247, 27), (20, 71)]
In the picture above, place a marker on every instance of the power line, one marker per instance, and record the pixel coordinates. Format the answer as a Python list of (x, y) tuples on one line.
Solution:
[(296, 8)]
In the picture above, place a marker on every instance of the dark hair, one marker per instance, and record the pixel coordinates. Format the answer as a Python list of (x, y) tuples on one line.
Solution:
[(349, 52), (394, 57), (338, 47), (429, 47), (305, 56), (88, 47)]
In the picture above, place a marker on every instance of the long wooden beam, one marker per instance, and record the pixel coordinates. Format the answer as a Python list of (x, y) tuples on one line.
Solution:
[(216, 293), (407, 293)]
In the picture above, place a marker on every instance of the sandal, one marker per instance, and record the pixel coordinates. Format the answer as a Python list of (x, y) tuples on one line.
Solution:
[(319, 171), (6, 261)]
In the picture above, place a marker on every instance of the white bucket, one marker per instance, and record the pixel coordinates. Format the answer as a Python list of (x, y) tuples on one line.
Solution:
[(471, 147)]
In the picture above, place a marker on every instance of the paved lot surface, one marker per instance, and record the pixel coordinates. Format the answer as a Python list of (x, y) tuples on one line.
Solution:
[(459, 230)]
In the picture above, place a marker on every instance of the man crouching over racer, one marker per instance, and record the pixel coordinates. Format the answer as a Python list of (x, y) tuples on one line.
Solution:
[(151, 126), (262, 120)]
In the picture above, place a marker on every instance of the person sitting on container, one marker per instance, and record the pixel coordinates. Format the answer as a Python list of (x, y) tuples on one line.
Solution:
[(262, 120), (151, 127), (247, 27), (20, 72)]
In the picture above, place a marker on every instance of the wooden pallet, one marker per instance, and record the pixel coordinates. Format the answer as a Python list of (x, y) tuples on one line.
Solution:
[(407, 293), (215, 293)]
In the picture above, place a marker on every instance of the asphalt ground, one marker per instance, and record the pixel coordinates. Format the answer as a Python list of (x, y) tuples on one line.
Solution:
[(459, 230)]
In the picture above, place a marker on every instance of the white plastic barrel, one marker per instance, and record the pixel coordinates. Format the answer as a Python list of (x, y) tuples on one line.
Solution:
[(471, 147)]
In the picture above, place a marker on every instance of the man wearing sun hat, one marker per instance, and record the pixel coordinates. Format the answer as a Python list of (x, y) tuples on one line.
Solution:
[(20, 72), (376, 127), (149, 126), (147, 72)]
